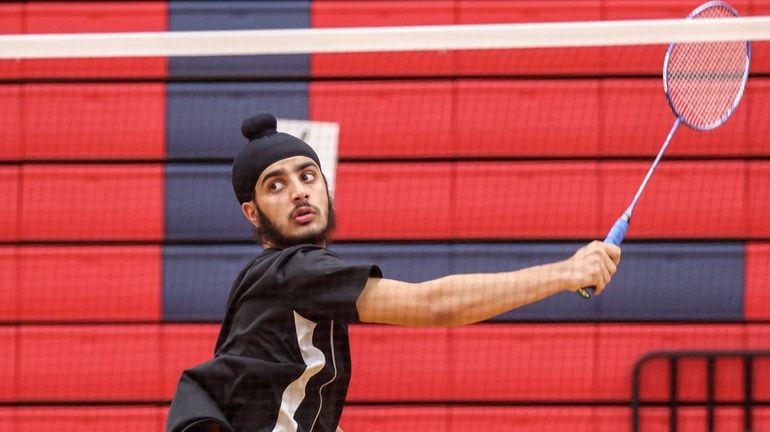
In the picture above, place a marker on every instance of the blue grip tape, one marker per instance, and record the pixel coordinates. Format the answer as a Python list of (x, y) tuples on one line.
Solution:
[(618, 232), (615, 236)]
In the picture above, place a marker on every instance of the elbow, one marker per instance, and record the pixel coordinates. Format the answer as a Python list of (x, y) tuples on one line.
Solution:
[(441, 312), (439, 315)]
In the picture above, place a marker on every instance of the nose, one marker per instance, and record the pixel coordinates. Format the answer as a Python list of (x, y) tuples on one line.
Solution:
[(300, 191)]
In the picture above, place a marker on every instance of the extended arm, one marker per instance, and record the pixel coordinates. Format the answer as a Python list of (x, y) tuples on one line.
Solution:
[(464, 299)]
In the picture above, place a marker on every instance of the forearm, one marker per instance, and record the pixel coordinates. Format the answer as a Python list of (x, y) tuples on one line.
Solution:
[(464, 299)]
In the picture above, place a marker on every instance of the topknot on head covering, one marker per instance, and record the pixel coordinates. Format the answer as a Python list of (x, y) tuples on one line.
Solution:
[(258, 126), (266, 146)]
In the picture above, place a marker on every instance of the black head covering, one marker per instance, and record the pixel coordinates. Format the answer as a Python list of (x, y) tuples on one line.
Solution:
[(266, 146)]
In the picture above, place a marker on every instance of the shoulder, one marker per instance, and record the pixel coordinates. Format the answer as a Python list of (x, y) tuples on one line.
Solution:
[(307, 253)]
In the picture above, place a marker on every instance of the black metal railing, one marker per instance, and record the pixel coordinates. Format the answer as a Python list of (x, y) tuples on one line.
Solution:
[(674, 402)]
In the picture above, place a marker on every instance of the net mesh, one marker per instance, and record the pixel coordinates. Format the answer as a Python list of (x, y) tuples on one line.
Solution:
[(120, 235), (705, 81)]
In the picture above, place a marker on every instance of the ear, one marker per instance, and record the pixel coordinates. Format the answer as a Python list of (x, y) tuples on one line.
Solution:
[(249, 210)]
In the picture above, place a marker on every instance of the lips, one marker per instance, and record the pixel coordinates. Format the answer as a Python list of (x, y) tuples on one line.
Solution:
[(304, 214)]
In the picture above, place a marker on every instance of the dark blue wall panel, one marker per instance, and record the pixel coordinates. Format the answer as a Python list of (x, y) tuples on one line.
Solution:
[(654, 282), (671, 282), (491, 258), (197, 279), (201, 205), (677, 282), (204, 119), (410, 263), (245, 15)]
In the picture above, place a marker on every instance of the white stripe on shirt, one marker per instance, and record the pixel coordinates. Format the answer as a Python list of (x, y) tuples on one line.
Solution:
[(294, 394)]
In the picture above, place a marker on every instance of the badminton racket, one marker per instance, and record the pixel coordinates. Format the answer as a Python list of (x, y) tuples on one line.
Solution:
[(703, 82)]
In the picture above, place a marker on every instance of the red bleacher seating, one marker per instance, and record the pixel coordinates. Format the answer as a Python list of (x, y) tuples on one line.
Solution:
[(94, 121), (92, 202), (89, 17), (91, 283)]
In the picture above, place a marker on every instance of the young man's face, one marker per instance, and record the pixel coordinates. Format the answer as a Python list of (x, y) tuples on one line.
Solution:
[(291, 204)]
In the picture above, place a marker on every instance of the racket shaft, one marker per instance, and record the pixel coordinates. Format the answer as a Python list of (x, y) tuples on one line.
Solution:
[(618, 231)]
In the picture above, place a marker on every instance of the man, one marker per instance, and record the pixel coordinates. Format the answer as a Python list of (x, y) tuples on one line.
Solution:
[(282, 360)]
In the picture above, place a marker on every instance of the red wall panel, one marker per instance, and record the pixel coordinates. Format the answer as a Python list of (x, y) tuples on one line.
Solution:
[(382, 13), (10, 122), (89, 17), (90, 283), (8, 364), (89, 363), (404, 419), (10, 23), (550, 61), (636, 118), (529, 200), (92, 202), (758, 199), (506, 419), (8, 283), (532, 118), (407, 201), (760, 57), (755, 105), (94, 121), (383, 355), (757, 286), (387, 119), (620, 346), (525, 362), (184, 346), (529, 61), (682, 200), (9, 196), (649, 58), (526, 200), (527, 118), (88, 419)]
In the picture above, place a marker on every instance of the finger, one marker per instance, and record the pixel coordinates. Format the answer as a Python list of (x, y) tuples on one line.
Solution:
[(602, 273), (606, 275), (613, 251), (610, 264), (599, 283)]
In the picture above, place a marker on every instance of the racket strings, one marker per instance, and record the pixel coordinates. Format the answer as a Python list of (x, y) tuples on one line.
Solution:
[(705, 80)]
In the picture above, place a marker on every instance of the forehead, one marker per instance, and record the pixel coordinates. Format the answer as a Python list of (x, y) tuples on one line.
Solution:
[(288, 165)]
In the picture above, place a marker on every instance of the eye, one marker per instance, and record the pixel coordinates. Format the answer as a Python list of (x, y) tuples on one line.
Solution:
[(276, 186), (308, 176)]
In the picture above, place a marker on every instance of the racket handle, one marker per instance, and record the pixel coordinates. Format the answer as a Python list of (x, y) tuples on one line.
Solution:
[(615, 237)]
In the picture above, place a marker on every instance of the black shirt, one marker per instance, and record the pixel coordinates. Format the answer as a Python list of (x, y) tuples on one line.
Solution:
[(282, 359)]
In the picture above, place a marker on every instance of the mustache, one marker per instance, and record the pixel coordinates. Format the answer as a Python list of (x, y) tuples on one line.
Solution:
[(315, 209)]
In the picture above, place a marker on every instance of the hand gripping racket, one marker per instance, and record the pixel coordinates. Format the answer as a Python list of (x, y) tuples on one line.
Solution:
[(703, 82)]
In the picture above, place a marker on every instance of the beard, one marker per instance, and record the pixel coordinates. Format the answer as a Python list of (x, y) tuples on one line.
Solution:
[(269, 232)]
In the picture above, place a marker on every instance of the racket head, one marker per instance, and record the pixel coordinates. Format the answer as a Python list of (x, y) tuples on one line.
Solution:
[(704, 81)]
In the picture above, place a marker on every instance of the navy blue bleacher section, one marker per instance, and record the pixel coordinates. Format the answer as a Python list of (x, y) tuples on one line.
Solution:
[(679, 282), (197, 279), (243, 15), (201, 205), (647, 287), (409, 263), (204, 119)]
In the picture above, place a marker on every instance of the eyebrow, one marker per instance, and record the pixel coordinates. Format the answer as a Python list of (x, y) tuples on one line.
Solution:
[(280, 171)]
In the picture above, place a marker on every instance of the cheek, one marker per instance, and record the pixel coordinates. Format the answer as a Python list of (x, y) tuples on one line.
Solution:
[(272, 207)]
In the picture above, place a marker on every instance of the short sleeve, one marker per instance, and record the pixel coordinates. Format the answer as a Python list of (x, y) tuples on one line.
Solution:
[(320, 285)]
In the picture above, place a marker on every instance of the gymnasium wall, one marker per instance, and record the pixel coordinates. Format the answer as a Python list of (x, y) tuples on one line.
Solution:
[(120, 234)]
